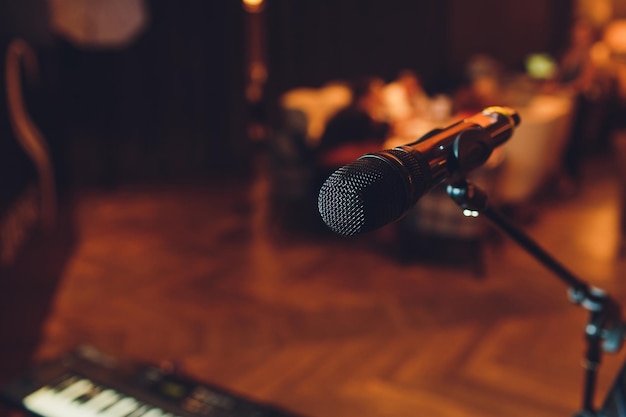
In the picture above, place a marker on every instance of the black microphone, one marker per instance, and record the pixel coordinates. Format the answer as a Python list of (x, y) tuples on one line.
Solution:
[(378, 188)]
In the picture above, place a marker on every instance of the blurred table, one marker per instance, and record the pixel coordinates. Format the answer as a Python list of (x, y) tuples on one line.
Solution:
[(535, 151)]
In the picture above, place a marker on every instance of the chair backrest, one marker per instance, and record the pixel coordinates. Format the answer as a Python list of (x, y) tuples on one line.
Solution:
[(36, 202)]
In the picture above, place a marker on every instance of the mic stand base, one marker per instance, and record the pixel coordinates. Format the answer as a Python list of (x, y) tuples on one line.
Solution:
[(604, 331)]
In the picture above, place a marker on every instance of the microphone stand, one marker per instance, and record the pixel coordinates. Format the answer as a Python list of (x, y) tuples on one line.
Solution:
[(605, 329)]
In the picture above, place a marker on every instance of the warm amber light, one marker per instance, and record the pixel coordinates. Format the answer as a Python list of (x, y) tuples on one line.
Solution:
[(599, 12), (615, 36), (253, 6)]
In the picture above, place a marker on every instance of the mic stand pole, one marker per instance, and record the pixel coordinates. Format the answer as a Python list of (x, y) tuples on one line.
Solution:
[(604, 331)]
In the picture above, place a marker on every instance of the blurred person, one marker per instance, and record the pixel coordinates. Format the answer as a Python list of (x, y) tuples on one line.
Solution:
[(454, 97), (465, 100), (576, 66), (482, 85), (357, 129), (614, 39), (405, 98), (579, 75)]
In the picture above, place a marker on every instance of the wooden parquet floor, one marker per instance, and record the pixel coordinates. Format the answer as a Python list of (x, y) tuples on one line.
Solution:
[(326, 326)]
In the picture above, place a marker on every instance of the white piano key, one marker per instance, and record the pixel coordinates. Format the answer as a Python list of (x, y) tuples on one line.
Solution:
[(38, 399), (83, 398), (73, 409), (101, 401), (140, 412), (69, 380), (69, 401), (155, 412), (121, 409), (50, 403), (80, 387), (50, 407)]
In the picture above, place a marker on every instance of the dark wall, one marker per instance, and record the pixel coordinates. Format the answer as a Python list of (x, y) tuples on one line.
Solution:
[(194, 52), (315, 41), (170, 104), (508, 31)]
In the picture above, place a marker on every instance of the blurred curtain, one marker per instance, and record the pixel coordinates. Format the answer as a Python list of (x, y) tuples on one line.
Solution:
[(312, 42), (195, 78), (154, 96)]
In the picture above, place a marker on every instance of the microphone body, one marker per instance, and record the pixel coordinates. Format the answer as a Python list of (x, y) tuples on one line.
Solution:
[(378, 188)]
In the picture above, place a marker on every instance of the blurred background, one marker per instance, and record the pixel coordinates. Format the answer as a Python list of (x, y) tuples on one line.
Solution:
[(160, 163)]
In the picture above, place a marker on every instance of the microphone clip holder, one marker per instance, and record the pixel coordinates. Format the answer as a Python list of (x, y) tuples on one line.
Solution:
[(605, 330)]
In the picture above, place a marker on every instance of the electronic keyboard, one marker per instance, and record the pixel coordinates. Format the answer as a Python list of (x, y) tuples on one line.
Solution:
[(88, 383)]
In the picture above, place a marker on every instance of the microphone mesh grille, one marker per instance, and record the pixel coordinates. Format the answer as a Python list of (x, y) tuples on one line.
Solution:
[(362, 196)]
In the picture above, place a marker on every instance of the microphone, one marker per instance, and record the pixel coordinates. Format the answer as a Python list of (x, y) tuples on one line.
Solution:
[(378, 188)]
